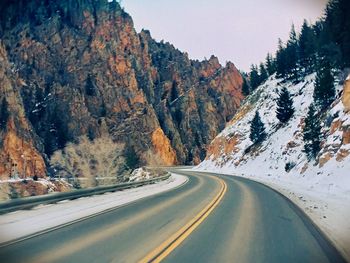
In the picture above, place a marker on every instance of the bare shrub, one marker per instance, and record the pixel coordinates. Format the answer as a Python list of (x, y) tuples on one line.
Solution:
[(152, 158), (85, 161)]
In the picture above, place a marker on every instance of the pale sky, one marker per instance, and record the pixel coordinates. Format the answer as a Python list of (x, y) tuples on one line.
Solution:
[(240, 31)]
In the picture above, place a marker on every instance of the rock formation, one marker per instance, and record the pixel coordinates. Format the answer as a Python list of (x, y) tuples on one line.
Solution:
[(77, 67)]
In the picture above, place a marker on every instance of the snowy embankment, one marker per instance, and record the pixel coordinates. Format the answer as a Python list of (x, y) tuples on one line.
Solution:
[(19, 224), (320, 188), (330, 211)]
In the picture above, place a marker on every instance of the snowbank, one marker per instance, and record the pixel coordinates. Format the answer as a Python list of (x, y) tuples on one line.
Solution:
[(322, 200), (23, 223)]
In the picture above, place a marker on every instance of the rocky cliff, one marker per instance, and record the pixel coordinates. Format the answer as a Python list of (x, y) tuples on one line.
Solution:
[(78, 67)]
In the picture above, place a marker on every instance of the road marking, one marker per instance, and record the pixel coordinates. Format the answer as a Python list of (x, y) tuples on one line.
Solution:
[(159, 253), (98, 235), (244, 229), (54, 228)]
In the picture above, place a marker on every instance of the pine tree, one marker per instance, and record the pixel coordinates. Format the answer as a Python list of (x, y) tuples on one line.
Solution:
[(38, 112), (292, 55), (245, 87), (257, 129), (89, 87), (57, 134), (131, 158), (324, 92), (306, 48), (174, 94), (4, 114), (50, 140), (270, 64), (263, 73), (312, 133), (338, 22), (281, 67), (285, 109), (254, 77)]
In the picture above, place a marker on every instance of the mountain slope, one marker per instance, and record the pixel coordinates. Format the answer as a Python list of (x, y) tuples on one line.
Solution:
[(85, 71), (282, 152), (320, 187)]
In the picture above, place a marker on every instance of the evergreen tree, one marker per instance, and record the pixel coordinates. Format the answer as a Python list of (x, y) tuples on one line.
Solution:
[(285, 109), (131, 158), (245, 87), (306, 48), (324, 92), (338, 22), (270, 64), (56, 134), (281, 67), (263, 73), (38, 111), (91, 134), (103, 110), (328, 38), (50, 140), (257, 129), (89, 87), (292, 55), (174, 94), (4, 114), (312, 134), (254, 77)]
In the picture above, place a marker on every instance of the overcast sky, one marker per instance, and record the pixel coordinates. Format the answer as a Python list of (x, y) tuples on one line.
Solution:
[(241, 31)]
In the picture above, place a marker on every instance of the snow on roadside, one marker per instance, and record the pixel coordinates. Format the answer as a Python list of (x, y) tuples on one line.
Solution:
[(22, 223), (324, 202)]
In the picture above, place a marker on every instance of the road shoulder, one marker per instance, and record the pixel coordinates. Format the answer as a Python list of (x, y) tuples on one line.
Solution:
[(23, 224), (330, 213)]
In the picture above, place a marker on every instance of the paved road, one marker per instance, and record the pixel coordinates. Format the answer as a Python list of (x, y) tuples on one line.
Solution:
[(250, 223)]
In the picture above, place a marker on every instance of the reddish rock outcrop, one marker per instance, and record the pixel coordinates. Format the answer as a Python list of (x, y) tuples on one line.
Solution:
[(163, 148), (346, 135), (346, 96), (19, 147)]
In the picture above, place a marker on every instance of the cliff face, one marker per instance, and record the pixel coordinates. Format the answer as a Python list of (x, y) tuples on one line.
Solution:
[(20, 147), (80, 68)]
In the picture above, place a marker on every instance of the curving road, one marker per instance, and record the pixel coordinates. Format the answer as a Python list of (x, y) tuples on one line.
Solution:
[(212, 218)]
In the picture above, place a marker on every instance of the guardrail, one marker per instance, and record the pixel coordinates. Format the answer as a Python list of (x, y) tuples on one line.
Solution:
[(29, 202)]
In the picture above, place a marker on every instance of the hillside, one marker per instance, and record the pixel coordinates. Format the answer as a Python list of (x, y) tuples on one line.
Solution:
[(322, 186), (78, 69), (282, 152)]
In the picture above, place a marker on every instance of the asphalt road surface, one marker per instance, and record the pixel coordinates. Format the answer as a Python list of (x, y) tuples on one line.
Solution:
[(212, 218)]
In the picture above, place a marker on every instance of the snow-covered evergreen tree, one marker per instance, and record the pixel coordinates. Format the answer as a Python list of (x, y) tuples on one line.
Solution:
[(312, 133), (245, 87), (285, 107), (263, 73), (257, 129), (254, 77), (324, 93), (270, 64)]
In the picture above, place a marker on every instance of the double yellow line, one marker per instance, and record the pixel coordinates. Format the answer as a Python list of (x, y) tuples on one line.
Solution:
[(159, 253)]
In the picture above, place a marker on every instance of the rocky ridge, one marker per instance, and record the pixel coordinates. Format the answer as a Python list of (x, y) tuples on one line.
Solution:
[(78, 68)]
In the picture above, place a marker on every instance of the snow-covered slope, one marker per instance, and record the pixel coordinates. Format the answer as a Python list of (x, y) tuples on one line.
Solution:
[(321, 187)]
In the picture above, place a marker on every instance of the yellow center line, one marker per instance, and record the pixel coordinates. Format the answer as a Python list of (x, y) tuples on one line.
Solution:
[(164, 249), (88, 239)]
